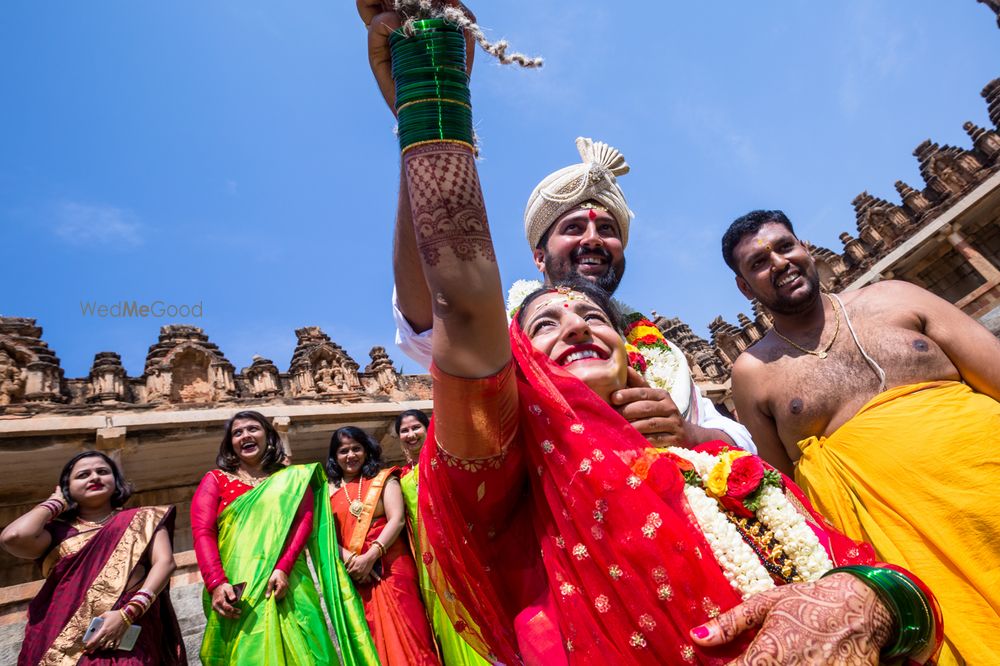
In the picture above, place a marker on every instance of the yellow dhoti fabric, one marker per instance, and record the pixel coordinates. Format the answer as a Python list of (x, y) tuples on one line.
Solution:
[(916, 474)]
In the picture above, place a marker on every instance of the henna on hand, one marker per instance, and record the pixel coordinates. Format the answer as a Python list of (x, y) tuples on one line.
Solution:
[(447, 203), (835, 620)]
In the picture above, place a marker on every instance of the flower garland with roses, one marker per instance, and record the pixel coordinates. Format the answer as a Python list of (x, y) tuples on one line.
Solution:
[(721, 480)]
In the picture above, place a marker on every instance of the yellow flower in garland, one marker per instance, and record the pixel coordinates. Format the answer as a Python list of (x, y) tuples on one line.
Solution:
[(718, 478)]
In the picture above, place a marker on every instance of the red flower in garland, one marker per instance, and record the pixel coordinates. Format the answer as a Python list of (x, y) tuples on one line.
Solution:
[(637, 361), (683, 464), (647, 340), (714, 448), (745, 476), (735, 506)]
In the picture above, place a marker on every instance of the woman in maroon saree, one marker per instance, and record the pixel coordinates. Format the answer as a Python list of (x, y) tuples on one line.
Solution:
[(100, 561)]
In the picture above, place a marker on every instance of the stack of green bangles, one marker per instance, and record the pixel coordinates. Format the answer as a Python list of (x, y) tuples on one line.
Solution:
[(905, 601), (433, 102)]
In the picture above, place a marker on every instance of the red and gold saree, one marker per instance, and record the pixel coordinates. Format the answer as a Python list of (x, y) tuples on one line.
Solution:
[(89, 572)]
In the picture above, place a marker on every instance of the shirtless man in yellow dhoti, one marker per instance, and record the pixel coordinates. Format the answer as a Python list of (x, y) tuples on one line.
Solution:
[(883, 403)]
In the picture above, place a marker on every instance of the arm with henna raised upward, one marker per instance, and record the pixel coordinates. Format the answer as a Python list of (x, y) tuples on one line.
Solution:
[(456, 251)]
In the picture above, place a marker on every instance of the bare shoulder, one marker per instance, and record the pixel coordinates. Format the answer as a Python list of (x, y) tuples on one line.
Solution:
[(750, 372), (747, 365), (889, 295)]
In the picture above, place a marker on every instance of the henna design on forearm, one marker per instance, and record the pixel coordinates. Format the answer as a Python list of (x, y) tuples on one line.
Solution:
[(447, 203), (837, 620)]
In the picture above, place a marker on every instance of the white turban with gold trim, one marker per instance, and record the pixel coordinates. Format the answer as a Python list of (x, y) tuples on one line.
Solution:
[(595, 179)]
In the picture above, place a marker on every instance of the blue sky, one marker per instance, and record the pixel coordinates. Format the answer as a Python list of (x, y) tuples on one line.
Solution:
[(235, 153)]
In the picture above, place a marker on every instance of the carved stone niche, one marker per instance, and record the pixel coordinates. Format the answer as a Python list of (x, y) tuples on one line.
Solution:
[(948, 171), (879, 220), (30, 371), (262, 377), (381, 366), (13, 374), (321, 367), (107, 379), (829, 265), (44, 382), (185, 367)]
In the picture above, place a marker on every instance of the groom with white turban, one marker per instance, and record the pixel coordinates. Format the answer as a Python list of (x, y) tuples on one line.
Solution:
[(577, 222)]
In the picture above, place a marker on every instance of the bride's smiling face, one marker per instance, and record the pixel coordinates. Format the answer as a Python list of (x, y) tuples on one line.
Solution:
[(578, 335)]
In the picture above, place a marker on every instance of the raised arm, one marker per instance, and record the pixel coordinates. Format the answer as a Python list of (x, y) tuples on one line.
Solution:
[(456, 251), (26, 537), (412, 295)]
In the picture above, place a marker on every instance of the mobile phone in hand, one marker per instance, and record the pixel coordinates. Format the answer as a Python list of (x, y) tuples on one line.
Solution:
[(129, 638), (238, 591), (95, 626)]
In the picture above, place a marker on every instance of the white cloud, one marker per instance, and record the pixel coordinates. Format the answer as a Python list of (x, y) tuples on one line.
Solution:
[(88, 224)]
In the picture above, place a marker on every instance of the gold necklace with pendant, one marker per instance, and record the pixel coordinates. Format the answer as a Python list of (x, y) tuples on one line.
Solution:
[(355, 506)]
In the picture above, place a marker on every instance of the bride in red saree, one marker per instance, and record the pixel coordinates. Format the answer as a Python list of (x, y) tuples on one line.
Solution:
[(370, 520), (554, 533), (99, 561)]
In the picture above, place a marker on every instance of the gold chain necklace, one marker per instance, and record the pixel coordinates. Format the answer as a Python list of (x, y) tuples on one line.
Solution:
[(355, 506), (245, 478), (822, 353), (96, 523)]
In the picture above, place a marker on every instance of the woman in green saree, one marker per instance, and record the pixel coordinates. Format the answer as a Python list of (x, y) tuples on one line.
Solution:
[(411, 428), (252, 518)]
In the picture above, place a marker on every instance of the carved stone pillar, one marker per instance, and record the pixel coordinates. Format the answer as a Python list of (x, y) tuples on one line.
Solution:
[(381, 367), (158, 385), (111, 441), (262, 377), (281, 424), (44, 382), (107, 379), (980, 263), (223, 382)]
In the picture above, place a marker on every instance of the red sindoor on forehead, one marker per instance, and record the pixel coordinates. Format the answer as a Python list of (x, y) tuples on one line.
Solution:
[(592, 214)]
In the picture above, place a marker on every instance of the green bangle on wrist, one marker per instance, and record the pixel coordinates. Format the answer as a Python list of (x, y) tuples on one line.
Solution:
[(907, 603), (433, 102)]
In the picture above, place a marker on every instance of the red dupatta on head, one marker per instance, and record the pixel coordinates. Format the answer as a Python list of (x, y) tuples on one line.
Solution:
[(628, 572)]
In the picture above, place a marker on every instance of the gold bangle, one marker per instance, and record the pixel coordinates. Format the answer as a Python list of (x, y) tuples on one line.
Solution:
[(350, 559), (426, 143), (381, 548), (433, 99), (125, 618)]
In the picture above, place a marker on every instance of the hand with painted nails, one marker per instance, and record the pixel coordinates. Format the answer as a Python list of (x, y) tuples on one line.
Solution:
[(835, 620)]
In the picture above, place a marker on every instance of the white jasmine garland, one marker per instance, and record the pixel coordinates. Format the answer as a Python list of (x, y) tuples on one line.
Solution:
[(800, 543), (661, 367), (776, 512), (739, 563), (518, 292)]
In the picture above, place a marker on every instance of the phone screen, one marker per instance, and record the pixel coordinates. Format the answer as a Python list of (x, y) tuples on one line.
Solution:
[(238, 589)]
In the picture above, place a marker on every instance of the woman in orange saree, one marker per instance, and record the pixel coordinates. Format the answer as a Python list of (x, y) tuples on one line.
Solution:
[(370, 519), (100, 561)]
